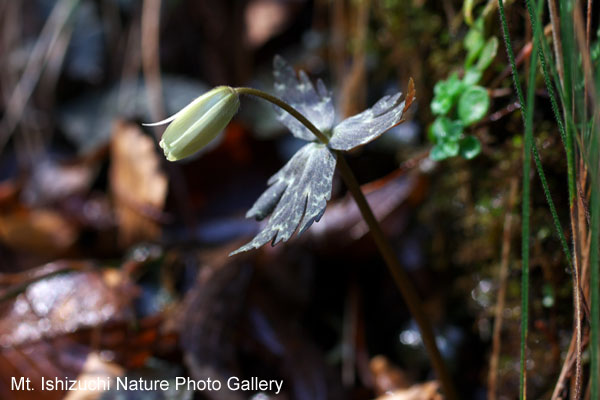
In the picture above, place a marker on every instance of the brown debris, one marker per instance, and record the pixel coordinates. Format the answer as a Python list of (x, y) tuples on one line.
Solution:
[(137, 183)]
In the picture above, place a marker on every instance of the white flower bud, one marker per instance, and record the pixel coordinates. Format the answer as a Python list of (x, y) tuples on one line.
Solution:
[(198, 123)]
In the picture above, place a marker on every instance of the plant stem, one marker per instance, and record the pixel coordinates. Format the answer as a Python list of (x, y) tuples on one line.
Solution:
[(280, 103), (401, 278), (594, 273)]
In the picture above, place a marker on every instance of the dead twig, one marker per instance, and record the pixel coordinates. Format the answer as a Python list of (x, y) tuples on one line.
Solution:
[(503, 279), (42, 51), (523, 55), (151, 58), (555, 26)]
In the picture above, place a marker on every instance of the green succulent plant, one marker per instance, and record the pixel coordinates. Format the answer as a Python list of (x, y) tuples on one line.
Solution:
[(460, 103)]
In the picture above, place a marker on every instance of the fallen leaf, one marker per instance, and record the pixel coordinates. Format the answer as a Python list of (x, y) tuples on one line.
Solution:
[(265, 19), (58, 305), (41, 231), (343, 219), (138, 185), (51, 181), (423, 391), (386, 376), (96, 371)]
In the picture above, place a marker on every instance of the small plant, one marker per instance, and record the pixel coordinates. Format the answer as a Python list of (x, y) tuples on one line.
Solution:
[(459, 103), (298, 193)]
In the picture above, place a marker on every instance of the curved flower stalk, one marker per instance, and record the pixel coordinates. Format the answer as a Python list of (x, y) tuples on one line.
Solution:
[(299, 192)]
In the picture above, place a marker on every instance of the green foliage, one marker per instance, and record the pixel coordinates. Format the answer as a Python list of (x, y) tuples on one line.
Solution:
[(595, 48), (487, 54), (474, 42), (469, 147), (449, 139), (460, 103), (527, 112), (468, 10), (445, 129), (445, 94), (472, 76), (473, 105)]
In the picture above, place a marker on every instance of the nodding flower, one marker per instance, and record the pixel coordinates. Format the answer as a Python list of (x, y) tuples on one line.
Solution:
[(198, 123)]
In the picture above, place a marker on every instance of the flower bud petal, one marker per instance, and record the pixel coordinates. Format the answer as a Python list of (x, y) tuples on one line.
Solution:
[(199, 122)]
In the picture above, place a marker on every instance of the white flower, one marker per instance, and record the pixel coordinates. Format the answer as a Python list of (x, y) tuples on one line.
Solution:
[(198, 123)]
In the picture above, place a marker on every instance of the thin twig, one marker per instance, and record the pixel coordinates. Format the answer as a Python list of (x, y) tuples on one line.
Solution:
[(565, 372), (588, 25), (40, 54), (588, 29), (131, 61), (523, 55), (577, 318), (503, 279), (556, 43), (151, 58), (349, 334), (353, 90), (588, 77)]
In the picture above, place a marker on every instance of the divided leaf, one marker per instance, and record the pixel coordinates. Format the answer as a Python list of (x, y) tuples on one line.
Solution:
[(297, 196), (371, 123), (298, 193), (299, 92)]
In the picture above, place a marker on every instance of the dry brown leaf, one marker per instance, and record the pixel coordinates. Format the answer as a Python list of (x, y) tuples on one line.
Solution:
[(264, 19), (95, 370), (386, 376), (423, 391), (51, 181), (138, 185), (59, 305), (8, 192), (42, 232)]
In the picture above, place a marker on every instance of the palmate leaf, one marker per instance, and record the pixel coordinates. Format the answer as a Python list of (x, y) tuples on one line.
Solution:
[(298, 193), (297, 196), (315, 104), (370, 124)]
